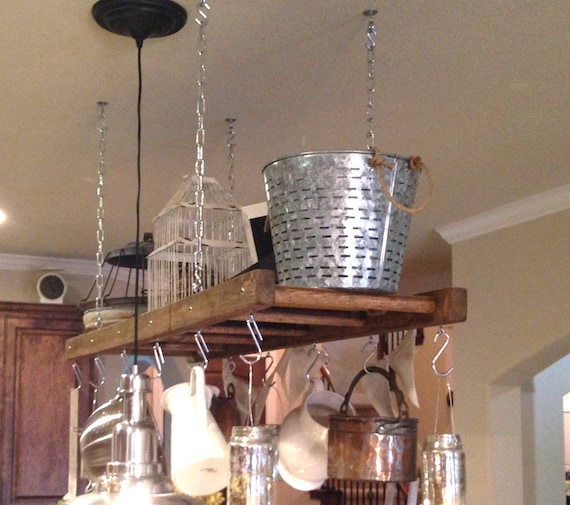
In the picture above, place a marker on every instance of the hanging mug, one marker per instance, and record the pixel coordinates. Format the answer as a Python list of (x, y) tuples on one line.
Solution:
[(199, 452), (303, 440)]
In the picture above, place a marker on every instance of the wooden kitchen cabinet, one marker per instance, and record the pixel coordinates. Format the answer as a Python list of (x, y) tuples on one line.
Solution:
[(35, 384)]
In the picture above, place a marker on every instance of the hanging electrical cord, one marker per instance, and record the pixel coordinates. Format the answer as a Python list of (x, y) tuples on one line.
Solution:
[(138, 262)]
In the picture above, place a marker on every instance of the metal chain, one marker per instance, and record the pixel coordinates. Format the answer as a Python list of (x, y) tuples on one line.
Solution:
[(231, 133), (202, 20), (370, 82), (198, 285), (102, 128)]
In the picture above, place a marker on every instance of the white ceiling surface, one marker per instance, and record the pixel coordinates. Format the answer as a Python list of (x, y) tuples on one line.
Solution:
[(479, 89)]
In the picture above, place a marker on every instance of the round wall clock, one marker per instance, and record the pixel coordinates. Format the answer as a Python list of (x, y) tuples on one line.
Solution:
[(51, 288)]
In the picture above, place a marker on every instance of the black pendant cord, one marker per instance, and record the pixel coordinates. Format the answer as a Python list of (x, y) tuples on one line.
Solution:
[(138, 261)]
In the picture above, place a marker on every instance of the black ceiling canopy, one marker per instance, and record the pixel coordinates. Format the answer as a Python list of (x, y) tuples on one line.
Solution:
[(140, 19)]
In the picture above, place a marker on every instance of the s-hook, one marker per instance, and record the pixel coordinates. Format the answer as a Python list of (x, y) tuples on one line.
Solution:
[(257, 338), (372, 341), (440, 333), (320, 354)]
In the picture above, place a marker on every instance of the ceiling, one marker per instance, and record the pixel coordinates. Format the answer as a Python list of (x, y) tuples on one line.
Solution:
[(479, 89)]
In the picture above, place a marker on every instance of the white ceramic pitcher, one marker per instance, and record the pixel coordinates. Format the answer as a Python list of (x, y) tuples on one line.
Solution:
[(199, 452), (303, 440)]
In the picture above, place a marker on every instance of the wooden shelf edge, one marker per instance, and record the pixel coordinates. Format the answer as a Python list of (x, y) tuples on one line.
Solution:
[(290, 316), (249, 292)]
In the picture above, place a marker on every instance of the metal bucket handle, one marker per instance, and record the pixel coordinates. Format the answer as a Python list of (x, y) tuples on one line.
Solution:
[(390, 377)]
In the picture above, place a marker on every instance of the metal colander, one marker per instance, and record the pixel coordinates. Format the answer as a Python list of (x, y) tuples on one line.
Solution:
[(332, 226)]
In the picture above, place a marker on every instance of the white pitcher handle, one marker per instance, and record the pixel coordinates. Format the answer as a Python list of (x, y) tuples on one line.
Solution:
[(198, 393)]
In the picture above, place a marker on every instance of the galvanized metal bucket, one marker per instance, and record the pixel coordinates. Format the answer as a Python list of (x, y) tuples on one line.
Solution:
[(373, 448), (332, 224)]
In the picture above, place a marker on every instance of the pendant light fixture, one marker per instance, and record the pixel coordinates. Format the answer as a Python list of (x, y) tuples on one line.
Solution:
[(135, 473)]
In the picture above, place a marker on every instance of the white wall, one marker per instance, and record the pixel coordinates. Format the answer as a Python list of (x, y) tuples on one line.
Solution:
[(518, 324)]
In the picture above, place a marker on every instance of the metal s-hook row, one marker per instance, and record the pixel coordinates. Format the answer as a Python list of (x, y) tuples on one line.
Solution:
[(440, 333)]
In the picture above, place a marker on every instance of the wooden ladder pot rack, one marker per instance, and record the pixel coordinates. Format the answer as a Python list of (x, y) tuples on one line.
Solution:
[(287, 317)]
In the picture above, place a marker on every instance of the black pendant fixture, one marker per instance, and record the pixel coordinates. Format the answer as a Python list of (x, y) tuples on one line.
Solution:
[(140, 19)]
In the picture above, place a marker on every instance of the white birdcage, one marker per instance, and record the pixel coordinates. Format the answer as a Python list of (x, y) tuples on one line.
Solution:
[(225, 249)]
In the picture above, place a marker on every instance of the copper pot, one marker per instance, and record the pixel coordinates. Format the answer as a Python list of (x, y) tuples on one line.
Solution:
[(373, 448)]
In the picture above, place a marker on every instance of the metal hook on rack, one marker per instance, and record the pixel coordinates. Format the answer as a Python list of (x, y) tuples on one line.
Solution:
[(96, 385), (202, 348), (158, 358), (265, 381), (440, 333), (230, 364), (374, 343), (257, 338), (319, 354), (78, 375)]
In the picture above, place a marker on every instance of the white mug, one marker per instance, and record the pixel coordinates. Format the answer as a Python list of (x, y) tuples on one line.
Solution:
[(199, 452), (303, 440)]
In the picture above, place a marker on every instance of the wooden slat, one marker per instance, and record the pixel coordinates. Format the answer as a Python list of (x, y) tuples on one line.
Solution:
[(337, 299), (249, 292), (310, 317)]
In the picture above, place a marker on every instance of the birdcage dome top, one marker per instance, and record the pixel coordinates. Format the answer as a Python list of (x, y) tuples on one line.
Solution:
[(215, 196)]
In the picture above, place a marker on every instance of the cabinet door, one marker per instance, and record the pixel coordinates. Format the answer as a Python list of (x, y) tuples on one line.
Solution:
[(36, 380)]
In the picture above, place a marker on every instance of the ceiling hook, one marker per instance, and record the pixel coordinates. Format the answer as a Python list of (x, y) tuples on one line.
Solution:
[(440, 352)]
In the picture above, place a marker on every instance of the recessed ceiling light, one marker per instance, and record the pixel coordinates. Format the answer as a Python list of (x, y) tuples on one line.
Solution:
[(3, 216)]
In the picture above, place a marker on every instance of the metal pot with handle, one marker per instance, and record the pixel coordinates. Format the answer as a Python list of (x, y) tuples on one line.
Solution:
[(373, 448)]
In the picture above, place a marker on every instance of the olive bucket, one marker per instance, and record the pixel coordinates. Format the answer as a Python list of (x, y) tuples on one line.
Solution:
[(339, 221), (373, 448)]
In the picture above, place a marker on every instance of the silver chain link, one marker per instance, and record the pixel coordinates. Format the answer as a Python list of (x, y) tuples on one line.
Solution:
[(102, 128), (202, 20), (370, 82), (231, 134)]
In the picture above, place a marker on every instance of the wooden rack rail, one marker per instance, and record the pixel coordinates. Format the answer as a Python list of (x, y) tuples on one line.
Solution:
[(286, 316)]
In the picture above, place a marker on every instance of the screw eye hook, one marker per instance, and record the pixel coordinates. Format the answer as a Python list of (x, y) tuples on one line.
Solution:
[(440, 333)]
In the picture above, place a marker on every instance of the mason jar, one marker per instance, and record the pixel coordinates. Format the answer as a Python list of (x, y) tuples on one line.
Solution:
[(253, 464), (443, 470)]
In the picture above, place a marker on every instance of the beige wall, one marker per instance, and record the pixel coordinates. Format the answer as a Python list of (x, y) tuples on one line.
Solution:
[(20, 286), (518, 283)]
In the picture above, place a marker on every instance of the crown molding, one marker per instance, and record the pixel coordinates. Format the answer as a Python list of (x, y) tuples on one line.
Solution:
[(46, 263), (521, 211)]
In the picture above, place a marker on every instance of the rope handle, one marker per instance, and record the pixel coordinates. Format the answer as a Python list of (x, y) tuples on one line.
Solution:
[(390, 377), (416, 163)]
